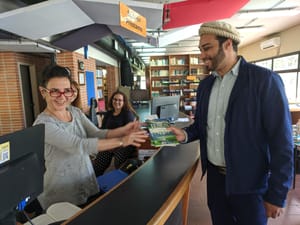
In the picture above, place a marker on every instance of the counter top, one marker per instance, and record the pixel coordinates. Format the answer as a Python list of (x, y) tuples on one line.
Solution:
[(142, 196)]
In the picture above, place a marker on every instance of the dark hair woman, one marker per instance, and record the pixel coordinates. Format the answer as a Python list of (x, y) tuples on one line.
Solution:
[(119, 114), (70, 139)]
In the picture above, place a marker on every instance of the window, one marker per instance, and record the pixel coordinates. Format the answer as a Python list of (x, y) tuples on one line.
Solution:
[(288, 69), (266, 63), (286, 63), (290, 85), (143, 82)]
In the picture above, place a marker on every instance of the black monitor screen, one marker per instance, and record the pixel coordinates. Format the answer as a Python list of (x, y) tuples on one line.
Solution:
[(21, 167), (165, 107)]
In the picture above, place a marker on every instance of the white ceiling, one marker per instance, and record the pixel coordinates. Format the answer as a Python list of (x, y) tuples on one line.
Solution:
[(43, 21), (189, 35), (49, 19)]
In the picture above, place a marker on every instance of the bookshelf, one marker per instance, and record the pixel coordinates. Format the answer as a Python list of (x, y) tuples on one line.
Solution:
[(101, 88), (177, 75), (100, 83)]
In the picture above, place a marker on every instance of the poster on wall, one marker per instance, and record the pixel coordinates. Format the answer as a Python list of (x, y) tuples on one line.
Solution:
[(81, 79)]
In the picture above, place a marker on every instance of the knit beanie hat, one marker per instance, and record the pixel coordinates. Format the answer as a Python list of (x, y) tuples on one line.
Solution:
[(220, 28)]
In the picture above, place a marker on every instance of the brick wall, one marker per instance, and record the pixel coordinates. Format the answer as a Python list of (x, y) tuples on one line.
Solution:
[(12, 117), (70, 59), (11, 104), (112, 80)]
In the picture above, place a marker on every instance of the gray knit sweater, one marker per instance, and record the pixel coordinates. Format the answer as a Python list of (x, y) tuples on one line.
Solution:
[(69, 173)]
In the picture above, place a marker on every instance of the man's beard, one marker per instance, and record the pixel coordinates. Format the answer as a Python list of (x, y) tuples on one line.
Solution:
[(217, 59)]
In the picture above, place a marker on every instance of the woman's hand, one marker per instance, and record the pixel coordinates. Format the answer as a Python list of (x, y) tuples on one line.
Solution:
[(125, 130), (135, 138), (132, 127)]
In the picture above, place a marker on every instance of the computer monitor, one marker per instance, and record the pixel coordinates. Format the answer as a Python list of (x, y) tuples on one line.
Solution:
[(21, 167), (165, 107)]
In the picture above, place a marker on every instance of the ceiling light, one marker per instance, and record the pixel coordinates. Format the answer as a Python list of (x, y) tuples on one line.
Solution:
[(25, 46), (141, 44), (150, 49), (145, 57), (250, 29), (267, 13), (151, 54), (178, 35)]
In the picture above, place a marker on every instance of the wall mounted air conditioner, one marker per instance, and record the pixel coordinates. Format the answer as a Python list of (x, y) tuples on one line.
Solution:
[(270, 43)]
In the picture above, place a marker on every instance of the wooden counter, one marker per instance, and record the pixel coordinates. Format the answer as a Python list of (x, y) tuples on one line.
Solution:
[(150, 194)]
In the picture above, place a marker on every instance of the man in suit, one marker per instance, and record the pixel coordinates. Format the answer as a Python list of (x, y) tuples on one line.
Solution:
[(243, 123)]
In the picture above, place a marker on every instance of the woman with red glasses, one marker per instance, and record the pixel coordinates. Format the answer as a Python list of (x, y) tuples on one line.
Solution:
[(70, 139)]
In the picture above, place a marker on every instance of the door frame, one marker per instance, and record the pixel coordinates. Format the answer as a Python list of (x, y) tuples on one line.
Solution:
[(34, 90)]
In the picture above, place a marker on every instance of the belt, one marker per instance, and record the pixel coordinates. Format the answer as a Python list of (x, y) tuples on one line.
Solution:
[(220, 169)]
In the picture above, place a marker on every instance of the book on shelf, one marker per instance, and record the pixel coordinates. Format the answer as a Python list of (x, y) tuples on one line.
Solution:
[(100, 93), (159, 134)]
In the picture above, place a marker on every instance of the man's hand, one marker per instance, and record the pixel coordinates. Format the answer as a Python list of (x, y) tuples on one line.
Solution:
[(273, 210), (180, 135)]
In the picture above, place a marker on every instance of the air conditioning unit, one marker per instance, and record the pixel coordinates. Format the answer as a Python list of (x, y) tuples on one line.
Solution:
[(270, 43)]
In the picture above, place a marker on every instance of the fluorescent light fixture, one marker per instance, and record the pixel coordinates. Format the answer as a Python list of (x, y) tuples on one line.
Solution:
[(150, 49), (141, 44), (146, 59), (251, 29), (152, 54), (116, 45), (25, 46), (267, 13), (178, 35)]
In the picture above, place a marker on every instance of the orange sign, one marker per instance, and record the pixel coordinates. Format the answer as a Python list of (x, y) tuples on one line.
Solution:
[(131, 20)]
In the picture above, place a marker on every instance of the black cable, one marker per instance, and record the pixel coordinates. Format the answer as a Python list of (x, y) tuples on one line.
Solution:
[(27, 217)]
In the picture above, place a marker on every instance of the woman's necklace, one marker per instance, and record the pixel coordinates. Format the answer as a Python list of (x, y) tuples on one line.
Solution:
[(62, 116)]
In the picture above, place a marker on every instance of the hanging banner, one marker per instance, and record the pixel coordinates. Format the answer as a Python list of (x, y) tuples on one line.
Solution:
[(131, 20)]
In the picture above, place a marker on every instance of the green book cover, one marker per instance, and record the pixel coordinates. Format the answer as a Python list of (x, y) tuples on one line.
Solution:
[(159, 134)]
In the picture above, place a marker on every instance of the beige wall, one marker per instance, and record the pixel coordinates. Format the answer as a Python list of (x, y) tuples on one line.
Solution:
[(289, 43)]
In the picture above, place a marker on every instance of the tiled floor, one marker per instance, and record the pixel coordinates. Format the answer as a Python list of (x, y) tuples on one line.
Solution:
[(198, 210), (199, 214)]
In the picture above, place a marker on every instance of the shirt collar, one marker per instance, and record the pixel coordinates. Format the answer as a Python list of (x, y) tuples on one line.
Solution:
[(234, 70), (236, 67)]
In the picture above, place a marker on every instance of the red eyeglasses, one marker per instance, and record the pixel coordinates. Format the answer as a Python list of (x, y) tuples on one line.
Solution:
[(68, 92)]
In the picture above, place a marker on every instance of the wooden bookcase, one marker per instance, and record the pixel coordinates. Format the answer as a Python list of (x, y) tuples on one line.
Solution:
[(177, 75), (101, 88), (100, 82)]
